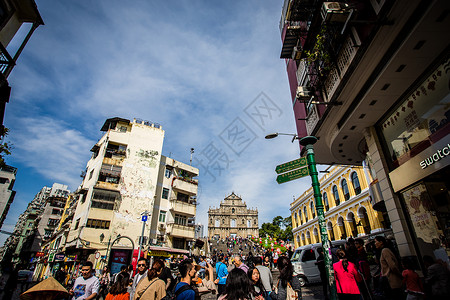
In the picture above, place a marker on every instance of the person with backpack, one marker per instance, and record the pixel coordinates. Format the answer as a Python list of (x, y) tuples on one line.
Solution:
[(151, 287), (183, 290), (288, 285)]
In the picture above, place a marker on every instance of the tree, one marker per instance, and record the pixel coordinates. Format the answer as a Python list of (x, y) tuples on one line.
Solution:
[(280, 228)]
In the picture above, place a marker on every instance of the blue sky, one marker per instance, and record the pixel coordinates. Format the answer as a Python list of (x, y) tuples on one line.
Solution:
[(199, 68)]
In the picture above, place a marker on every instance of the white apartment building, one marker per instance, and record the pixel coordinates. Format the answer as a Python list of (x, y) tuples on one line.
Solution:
[(175, 205), (120, 184)]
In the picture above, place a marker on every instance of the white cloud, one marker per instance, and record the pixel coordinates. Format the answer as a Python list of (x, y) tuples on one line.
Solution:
[(53, 149)]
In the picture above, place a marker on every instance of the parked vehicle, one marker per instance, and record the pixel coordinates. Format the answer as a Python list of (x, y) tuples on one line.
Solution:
[(304, 261)]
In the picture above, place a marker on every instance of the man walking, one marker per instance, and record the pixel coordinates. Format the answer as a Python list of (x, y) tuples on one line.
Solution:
[(239, 264), (86, 286), (183, 290), (264, 273), (141, 273)]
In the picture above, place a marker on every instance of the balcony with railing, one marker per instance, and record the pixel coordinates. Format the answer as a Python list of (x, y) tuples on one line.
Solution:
[(189, 186), (185, 207), (178, 230)]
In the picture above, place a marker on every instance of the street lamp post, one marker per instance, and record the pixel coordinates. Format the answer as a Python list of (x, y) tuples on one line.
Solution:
[(308, 142)]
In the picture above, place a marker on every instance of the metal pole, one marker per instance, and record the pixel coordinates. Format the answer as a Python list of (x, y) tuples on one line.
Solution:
[(308, 143), (141, 239)]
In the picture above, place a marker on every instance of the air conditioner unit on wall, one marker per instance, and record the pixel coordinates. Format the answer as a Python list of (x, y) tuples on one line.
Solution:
[(334, 12), (304, 94), (297, 53)]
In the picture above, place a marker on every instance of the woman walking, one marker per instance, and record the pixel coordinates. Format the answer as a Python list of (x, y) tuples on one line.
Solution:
[(105, 280), (258, 287), (347, 277), (391, 276), (151, 287), (287, 285), (119, 288), (238, 287)]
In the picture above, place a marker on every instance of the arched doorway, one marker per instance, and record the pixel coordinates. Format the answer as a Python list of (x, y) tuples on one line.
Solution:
[(362, 214), (316, 235), (330, 231), (340, 222), (352, 222)]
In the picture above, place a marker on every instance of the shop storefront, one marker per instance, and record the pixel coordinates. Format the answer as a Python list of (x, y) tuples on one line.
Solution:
[(417, 149)]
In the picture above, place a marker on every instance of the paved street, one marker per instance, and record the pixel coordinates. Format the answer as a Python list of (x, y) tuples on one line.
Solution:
[(309, 292)]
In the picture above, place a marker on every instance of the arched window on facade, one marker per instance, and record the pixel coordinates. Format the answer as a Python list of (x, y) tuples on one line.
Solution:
[(305, 211), (351, 220), (355, 182), (362, 214), (300, 216), (308, 237), (345, 189), (217, 223), (316, 235), (330, 231), (325, 201), (298, 240), (233, 223), (233, 210), (313, 211), (249, 223), (341, 225), (295, 220), (336, 195)]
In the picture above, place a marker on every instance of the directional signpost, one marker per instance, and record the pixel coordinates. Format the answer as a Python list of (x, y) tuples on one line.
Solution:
[(299, 173), (292, 165), (298, 168)]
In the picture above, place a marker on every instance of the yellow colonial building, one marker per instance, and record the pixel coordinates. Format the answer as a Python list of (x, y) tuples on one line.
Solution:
[(347, 205)]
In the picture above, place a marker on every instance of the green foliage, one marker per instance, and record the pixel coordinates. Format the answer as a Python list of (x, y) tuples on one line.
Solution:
[(280, 228), (319, 52), (5, 147)]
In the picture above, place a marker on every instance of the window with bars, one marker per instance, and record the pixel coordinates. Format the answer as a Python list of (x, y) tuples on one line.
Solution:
[(345, 189), (336, 195), (325, 201), (165, 193), (98, 224), (355, 182), (104, 200), (162, 216), (180, 219)]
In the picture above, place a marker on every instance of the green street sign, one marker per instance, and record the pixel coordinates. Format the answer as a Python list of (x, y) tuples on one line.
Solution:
[(292, 165), (296, 174)]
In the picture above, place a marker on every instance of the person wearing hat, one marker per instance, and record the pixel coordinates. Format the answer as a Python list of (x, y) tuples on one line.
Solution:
[(222, 273)]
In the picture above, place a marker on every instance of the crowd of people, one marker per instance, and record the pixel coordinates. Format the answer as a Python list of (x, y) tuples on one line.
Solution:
[(238, 274), (390, 277)]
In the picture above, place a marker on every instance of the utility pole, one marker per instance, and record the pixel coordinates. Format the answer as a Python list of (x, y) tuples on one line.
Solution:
[(141, 238), (308, 142), (192, 152)]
